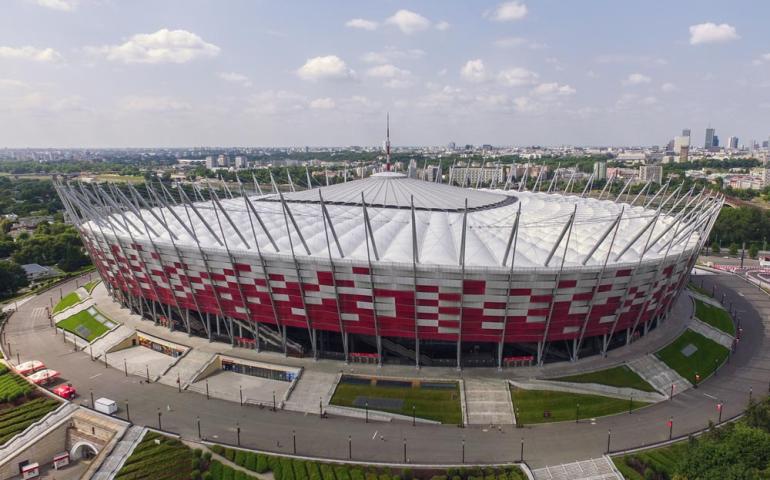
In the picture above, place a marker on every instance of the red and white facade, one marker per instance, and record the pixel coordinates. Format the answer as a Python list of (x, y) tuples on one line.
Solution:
[(388, 263)]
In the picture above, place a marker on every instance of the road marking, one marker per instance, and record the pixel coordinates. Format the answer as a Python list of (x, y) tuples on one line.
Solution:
[(95, 375), (710, 396), (741, 294), (375, 434)]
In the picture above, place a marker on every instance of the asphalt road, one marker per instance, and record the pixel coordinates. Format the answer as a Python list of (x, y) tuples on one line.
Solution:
[(552, 444)]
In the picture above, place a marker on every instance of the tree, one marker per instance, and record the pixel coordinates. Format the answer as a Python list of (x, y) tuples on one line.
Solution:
[(12, 278), (753, 250), (715, 247), (733, 248)]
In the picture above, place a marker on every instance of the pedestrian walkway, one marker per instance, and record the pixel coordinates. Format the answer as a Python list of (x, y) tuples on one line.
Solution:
[(705, 299), (488, 402), (77, 308), (312, 387), (110, 340), (224, 461), (186, 368), (590, 389), (117, 457), (712, 333), (593, 469), (658, 374)]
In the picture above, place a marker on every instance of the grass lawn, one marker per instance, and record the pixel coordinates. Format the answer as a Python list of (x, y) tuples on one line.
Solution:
[(91, 285), (659, 459), (704, 361), (442, 405), (86, 320), (714, 316), (621, 376), (169, 459), (66, 302), (530, 405), (698, 289)]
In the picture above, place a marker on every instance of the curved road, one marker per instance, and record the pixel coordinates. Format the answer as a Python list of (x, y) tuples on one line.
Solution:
[(29, 333)]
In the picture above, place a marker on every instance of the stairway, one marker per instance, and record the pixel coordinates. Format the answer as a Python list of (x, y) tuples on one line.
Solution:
[(185, 369), (488, 402), (658, 374), (112, 464), (593, 469)]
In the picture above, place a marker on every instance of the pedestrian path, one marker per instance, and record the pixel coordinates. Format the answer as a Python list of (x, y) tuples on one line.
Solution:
[(488, 402), (186, 368), (706, 299), (658, 374), (712, 333), (77, 308), (117, 457), (110, 340), (312, 387), (593, 469)]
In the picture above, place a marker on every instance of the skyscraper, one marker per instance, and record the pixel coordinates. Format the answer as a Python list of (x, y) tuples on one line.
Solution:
[(685, 132), (709, 138), (732, 143)]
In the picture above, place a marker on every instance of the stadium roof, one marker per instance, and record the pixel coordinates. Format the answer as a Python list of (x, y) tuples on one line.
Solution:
[(438, 231)]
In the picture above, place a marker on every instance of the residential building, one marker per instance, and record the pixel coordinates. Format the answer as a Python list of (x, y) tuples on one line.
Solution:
[(651, 173), (709, 142), (600, 170)]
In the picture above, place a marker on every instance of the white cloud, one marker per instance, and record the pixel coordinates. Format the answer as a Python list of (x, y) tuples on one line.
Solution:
[(163, 46), (443, 25), (390, 54), (325, 103), (636, 79), (633, 100), (61, 5), (474, 71), (276, 102), (329, 67), (625, 59), (515, 42), (553, 89), (668, 87), (712, 33), (507, 12), (394, 77), (233, 77), (30, 53), (408, 21), (362, 24), (516, 77), (141, 103), (36, 101), (12, 83), (762, 59)]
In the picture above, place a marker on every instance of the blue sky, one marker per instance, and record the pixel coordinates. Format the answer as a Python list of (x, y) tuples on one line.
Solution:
[(276, 73)]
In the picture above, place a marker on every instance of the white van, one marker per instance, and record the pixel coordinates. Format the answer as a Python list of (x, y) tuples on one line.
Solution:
[(105, 405)]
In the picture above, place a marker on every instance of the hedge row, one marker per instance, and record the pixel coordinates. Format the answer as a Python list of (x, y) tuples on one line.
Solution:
[(17, 419), (13, 387), (292, 469), (158, 457)]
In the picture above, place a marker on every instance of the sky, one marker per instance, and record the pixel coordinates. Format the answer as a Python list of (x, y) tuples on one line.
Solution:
[(178, 73)]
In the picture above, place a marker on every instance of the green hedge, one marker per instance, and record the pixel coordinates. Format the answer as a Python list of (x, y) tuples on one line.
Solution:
[(17, 419)]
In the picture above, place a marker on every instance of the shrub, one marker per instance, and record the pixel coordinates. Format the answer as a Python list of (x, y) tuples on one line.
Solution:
[(407, 474), (313, 471), (300, 470), (262, 464), (251, 461), (218, 449), (227, 473), (327, 472), (342, 473), (239, 458), (195, 475), (197, 452), (208, 476), (287, 472), (195, 463), (207, 457), (230, 454), (357, 474)]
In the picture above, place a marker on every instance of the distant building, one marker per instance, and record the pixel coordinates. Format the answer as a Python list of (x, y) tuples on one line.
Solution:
[(600, 170), (471, 176), (211, 163), (241, 162), (36, 272), (686, 132), (411, 170), (682, 147), (451, 146), (732, 143), (709, 142), (651, 173)]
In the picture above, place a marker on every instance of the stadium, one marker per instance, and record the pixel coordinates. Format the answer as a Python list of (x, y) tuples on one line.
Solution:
[(394, 269)]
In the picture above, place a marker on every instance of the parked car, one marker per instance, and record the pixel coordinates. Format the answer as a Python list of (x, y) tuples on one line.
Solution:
[(43, 376), (27, 368), (66, 391), (105, 405)]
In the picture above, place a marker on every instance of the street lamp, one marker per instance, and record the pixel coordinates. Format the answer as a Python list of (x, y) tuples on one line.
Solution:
[(463, 450), (366, 409), (670, 427), (160, 425), (719, 409), (609, 439), (577, 412), (294, 441), (414, 415), (404, 449), (238, 433), (521, 451), (350, 447), (128, 412), (198, 422)]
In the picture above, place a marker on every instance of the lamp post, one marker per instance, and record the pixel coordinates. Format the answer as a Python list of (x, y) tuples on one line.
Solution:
[(198, 423), (414, 415), (521, 451), (630, 403), (671, 395), (463, 450), (577, 412), (238, 433), (609, 439), (160, 425), (207, 390), (350, 447), (719, 409), (670, 427), (125, 367), (366, 410), (178, 383), (274, 408), (321, 407), (92, 399), (128, 412), (147, 371), (294, 441), (404, 449), (240, 393), (751, 392)]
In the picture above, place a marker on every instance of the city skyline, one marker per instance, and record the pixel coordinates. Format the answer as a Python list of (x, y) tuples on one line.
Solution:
[(101, 73)]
